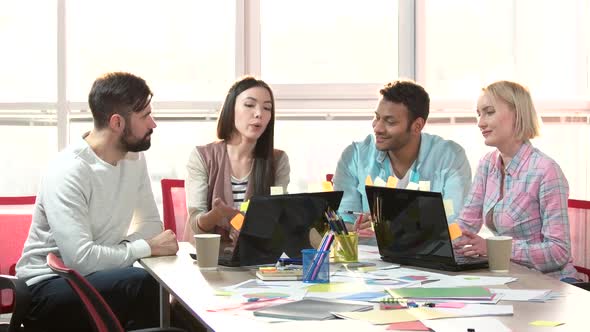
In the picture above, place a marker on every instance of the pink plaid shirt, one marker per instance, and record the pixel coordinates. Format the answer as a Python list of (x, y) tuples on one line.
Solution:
[(533, 210)]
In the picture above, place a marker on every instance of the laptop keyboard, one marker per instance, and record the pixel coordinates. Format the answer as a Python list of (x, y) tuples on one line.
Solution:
[(469, 260)]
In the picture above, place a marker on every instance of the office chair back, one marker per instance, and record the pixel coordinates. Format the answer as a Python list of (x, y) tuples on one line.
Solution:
[(15, 220), (579, 217), (174, 206), (100, 313)]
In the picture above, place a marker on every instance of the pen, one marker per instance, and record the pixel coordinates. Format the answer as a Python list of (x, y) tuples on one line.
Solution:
[(354, 213)]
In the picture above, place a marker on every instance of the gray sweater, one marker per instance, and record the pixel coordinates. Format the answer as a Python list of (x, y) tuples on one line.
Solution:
[(94, 215)]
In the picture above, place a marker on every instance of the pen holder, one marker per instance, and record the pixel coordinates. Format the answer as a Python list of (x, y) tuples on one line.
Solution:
[(345, 248), (316, 266)]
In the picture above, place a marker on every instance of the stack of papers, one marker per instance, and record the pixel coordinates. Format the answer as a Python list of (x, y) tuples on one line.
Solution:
[(463, 294), (527, 295)]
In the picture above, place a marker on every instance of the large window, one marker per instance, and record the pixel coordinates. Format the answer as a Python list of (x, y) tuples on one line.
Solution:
[(325, 61), (355, 43), (541, 44), (28, 56), (185, 49)]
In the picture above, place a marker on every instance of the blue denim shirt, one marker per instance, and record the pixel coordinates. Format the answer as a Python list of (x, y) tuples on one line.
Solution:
[(442, 162)]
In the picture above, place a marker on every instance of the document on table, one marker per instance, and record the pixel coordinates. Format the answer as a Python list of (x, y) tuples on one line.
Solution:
[(532, 295), (480, 324)]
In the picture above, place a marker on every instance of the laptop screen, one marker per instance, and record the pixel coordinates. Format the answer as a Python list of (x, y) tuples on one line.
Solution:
[(410, 223), (282, 223)]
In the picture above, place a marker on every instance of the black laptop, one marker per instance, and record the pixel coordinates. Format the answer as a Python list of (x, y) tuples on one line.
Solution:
[(411, 229), (277, 224)]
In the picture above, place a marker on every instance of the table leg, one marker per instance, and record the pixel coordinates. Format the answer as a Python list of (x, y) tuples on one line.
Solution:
[(164, 307)]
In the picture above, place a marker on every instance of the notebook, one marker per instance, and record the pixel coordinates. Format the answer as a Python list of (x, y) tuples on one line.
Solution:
[(277, 224), (311, 309), (411, 229)]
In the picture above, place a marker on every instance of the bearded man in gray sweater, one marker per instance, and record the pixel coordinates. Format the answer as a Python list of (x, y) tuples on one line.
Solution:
[(95, 209)]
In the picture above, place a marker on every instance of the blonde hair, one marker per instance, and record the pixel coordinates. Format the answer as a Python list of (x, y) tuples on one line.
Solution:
[(518, 98)]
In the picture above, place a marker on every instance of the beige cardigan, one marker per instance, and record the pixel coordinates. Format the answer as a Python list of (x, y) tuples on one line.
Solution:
[(209, 177)]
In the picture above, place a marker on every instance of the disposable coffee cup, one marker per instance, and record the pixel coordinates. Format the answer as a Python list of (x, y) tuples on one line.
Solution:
[(499, 252), (207, 250)]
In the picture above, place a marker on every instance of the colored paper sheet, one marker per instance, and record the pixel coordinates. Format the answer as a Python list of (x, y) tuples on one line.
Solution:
[(441, 293), (408, 326), (394, 316), (424, 185), (449, 209), (237, 221), (391, 182), (368, 181), (327, 186), (413, 186), (455, 231), (479, 324), (244, 206), (545, 323), (379, 182), (278, 190)]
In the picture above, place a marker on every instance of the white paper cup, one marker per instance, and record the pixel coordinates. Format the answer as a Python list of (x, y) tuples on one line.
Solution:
[(207, 250), (499, 253)]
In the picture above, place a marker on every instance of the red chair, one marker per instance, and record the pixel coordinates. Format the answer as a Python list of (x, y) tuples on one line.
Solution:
[(174, 205), (579, 216), (15, 221), (100, 312)]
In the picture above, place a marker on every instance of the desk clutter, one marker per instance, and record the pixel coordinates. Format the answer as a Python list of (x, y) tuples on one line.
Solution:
[(386, 296)]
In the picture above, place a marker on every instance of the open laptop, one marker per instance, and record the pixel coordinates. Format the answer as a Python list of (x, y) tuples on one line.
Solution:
[(277, 224), (411, 229)]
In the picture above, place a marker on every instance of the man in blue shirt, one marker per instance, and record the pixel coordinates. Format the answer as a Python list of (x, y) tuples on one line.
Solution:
[(399, 149)]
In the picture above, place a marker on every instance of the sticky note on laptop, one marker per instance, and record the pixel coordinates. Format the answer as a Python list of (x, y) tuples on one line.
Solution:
[(424, 185), (244, 206), (237, 221), (278, 190), (455, 231), (449, 209), (368, 181), (327, 186), (391, 182), (413, 186), (379, 182)]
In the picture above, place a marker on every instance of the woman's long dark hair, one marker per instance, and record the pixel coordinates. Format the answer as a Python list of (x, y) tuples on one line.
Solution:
[(262, 176)]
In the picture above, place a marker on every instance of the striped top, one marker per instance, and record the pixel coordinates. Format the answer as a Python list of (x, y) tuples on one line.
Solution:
[(533, 209), (238, 189)]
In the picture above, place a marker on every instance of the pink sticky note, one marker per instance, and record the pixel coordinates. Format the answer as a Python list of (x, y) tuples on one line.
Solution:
[(408, 326), (456, 305)]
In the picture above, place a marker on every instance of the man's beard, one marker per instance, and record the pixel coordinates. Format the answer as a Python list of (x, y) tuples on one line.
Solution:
[(138, 146)]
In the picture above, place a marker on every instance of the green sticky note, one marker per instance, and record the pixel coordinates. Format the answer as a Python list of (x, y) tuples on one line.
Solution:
[(244, 206), (223, 293), (445, 292), (546, 323)]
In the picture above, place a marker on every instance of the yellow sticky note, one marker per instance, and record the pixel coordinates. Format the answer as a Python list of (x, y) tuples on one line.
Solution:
[(338, 287), (368, 181), (327, 186), (391, 182), (424, 185), (314, 187), (244, 206), (237, 221), (449, 209), (545, 323), (455, 231), (379, 182)]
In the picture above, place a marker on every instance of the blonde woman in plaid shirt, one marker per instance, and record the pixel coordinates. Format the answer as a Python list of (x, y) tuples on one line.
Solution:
[(517, 191)]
